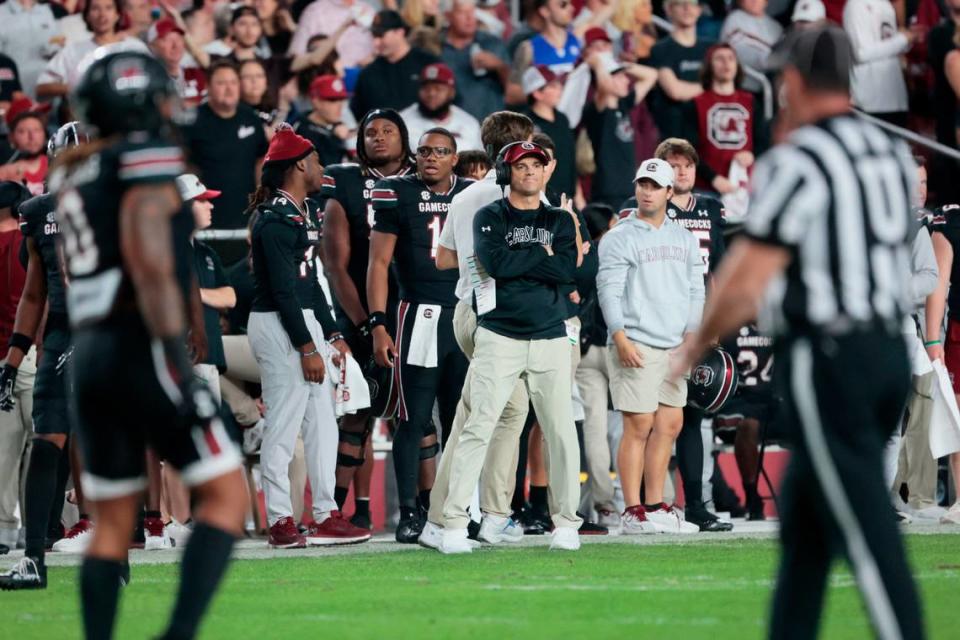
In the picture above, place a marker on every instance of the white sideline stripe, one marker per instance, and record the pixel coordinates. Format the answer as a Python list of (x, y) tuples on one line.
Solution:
[(864, 565)]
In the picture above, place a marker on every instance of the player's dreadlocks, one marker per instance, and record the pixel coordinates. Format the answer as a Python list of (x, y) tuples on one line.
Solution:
[(272, 176), (395, 118)]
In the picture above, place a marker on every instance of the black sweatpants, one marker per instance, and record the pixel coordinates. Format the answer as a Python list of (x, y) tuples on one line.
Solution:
[(690, 455), (843, 398)]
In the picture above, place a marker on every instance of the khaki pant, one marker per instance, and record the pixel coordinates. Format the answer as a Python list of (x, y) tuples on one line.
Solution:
[(544, 367), (16, 429), (593, 379), (917, 466), (500, 465)]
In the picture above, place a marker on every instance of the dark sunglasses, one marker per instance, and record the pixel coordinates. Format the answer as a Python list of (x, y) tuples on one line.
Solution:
[(440, 152)]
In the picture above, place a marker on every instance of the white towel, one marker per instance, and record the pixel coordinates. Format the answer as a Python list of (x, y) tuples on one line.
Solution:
[(944, 418), (352, 394), (422, 351)]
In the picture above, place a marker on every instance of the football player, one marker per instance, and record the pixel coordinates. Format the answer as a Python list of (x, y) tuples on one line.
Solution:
[(409, 212)]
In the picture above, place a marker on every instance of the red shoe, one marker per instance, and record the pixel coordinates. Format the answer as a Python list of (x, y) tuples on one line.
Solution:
[(285, 535), (336, 530), (77, 539)]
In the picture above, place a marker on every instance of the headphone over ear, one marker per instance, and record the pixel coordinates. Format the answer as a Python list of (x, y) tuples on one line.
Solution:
[(500, 164)]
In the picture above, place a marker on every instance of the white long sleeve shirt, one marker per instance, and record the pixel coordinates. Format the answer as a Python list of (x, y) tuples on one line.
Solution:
[(25, 36), (650, 282), (877, 82), (461, 124)]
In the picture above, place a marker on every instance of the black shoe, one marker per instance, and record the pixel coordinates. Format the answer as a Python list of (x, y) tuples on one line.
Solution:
[(410, 527), (473, 530), (4, 549), (755, 508), (591, 529), (26, 574), (697, 514), (535, 523), (361, 520)]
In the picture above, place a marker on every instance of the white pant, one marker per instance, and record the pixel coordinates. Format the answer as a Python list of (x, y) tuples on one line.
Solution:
[(294, 406)]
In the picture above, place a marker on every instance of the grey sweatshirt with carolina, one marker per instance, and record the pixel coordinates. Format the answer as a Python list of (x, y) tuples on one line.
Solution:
[(650, 282)]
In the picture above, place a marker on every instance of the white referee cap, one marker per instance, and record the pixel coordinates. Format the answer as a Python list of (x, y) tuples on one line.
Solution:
[(657, 170)]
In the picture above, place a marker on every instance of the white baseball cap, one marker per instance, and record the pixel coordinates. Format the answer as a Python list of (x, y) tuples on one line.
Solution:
[(657, 170), (537, 77), (809, 11), (191, 188)]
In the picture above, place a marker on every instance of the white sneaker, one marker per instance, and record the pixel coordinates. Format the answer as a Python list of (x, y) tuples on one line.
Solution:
[(253, 437), (952, 516), (497, 529), (933, 513), (157, 543), (431, 536), (608, 518), (634, 522), (77, 539), (669, 519), (178, 533), (455, 541), (565, 539)]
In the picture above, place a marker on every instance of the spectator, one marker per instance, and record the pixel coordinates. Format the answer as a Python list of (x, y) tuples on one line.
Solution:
[(326, 17), (478, 60), (278, 24), (729, 122), (678, 58), (607, 121), (10, 85), (808, 12), (226, 144), (651, 291), (533, 23), (421, 13), (876, 83), (635, 20), (940, 42), (555, 46), (28, 139), (434, 108), (168, 44), (30, 35), (543, 89), (323, 126), (752, 34), (103, 18), (254, 93), (138, 17), (473, 164), (599, 14), (16, 426), (389, 81)]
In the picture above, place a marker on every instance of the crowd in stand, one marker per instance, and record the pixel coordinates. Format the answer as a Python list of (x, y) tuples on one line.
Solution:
[(605, 83)]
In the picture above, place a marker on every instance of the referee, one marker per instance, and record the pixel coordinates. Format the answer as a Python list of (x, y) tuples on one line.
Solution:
[(826, 248)]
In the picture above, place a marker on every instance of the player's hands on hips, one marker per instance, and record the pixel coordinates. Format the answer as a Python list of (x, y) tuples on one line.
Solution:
[(384, 351), (8, 381), (313, 367), (627, 352)]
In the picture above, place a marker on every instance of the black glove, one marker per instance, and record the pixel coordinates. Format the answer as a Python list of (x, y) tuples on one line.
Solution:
[(8, 380)]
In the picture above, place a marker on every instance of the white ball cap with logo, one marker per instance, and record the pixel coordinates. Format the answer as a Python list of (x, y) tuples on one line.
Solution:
[(657, 170)]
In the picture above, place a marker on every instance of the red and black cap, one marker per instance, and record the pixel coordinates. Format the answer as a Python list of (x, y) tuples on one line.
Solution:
[(287, 146)]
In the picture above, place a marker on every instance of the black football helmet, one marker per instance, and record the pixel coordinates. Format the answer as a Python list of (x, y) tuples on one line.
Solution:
[(712, 381), (384, 394), (121, 92)]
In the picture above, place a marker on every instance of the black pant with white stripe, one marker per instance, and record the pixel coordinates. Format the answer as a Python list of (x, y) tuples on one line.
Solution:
[(845, 396)]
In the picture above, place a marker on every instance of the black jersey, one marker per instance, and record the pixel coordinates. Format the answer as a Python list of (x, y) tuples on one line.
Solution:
[(283, 246), (405, 207), (88, 212), (353, 189), (704, 218), (753, 353), (946, 220), (38, 221), (329, 147)]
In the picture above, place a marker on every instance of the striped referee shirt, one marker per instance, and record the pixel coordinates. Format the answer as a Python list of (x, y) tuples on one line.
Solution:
[(837, 194)]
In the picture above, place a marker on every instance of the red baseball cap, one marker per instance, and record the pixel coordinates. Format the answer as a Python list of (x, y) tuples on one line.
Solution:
[(595, 34), (521, 150), (23, 107), (437, 72), (162, 28), (328, 87), (288, 145)]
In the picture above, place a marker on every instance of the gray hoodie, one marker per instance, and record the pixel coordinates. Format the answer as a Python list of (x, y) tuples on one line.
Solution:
[(650, 282)]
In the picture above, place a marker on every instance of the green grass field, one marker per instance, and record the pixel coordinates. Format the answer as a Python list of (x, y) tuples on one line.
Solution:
[(712, 589)]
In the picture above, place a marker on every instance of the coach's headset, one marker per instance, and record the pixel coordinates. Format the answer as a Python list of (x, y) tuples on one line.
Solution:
[(503, 169)]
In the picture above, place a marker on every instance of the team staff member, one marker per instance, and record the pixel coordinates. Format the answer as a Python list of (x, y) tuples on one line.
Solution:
[(532, 250), (650, 287), (827, 248), (128, 313), (456, 251), (288, 343), (383, 150), (410, 211), (51, 425)]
